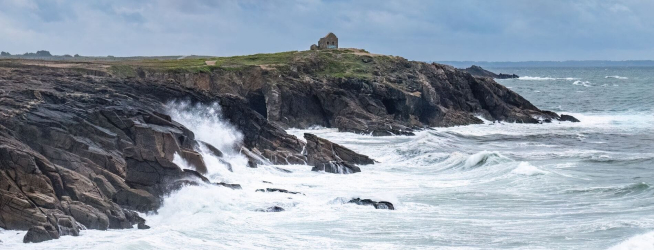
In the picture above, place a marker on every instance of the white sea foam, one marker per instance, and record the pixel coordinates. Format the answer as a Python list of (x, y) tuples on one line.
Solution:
[(546, 78), (639, 242), (582, 83), (439, 181), (617, 77), (524, 168)]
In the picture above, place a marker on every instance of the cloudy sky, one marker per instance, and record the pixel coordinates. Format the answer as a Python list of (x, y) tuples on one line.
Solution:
[(430, 30)]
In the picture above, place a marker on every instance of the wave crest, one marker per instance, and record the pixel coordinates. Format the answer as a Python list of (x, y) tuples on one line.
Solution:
[(538, 78), (617, 77)]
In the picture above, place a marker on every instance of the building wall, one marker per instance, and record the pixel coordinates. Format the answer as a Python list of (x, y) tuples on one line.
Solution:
[(328, 42)]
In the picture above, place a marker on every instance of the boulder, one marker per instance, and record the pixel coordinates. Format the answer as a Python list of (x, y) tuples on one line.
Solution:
[(568, 118), (330, 157), (376, 204), (143, 226), (271, 209), (195, 160), (39, 234)]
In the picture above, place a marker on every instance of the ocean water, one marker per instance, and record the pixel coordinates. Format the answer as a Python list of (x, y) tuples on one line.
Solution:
[(562, 185)]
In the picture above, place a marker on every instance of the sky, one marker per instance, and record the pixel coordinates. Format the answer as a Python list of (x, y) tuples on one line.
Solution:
[(426, 30)]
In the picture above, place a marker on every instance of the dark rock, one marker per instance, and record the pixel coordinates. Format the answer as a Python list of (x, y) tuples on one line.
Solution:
[(66, 225), (330, 157), (39, 234), (213, 150), (568, 118), (480, 72), (143, 226), (376, 204), (232, 186), (277, 190), (271, 209)]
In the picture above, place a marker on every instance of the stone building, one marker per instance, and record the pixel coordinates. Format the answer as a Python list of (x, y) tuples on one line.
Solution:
[(330, 41)]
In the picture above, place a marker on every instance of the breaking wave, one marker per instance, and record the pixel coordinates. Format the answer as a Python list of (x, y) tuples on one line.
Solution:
[(617, 77), (639, 242), (582, 83), (538, 78)]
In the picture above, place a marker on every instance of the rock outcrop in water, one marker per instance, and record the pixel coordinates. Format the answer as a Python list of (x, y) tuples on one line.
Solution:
[(86, 148), (376, 204), (481, 72), (330, 157)]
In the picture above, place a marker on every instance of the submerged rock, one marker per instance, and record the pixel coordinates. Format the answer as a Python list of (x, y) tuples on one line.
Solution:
[(232, 186), (271, 209), (268, 190), (376, 204)]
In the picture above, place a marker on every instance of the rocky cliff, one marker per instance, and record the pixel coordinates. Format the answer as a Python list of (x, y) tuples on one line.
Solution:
[(85, 145), (355, 91), (82, 151)]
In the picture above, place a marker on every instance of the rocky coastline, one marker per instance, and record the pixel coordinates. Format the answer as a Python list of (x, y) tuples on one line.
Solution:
[(88, 146)]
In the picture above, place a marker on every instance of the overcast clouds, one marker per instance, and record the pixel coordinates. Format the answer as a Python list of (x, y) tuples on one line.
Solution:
[(510, 30)]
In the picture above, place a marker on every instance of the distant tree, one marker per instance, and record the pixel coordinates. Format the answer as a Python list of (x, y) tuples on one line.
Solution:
[(4, 53), (43, 53), (67, 55), (76, 55), (110, 56)]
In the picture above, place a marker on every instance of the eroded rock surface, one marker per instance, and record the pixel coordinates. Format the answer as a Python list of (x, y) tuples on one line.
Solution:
[(80, 151), (330, 157)]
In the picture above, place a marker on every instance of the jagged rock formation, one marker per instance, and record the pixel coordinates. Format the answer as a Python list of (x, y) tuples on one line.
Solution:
[(330, 157), (88, 146), (89, 150), (359, 92), (480, 72)]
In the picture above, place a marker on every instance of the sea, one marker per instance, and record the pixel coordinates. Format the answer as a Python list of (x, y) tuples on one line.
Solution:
[(559, 185)]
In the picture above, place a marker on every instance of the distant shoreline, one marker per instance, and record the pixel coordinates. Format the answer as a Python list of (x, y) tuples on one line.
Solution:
[(590, 63)]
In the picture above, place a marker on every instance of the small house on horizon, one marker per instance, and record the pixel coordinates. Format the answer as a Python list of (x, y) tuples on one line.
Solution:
[(330, 41)]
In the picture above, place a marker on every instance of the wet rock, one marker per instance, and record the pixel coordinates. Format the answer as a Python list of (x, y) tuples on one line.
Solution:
[(232, 186), (284, 170), (213, 150), (277, 190), (568, 118), (66, 225), (39, 234), (330, 157), (271, 209), (143, 226), (376, 204), (195, 160)]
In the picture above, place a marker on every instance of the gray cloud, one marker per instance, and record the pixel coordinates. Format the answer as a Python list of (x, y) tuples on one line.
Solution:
[(419, 30)]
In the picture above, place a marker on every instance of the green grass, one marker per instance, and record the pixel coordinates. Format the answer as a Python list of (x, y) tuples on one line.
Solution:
[(342, 63), (346, 65)]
